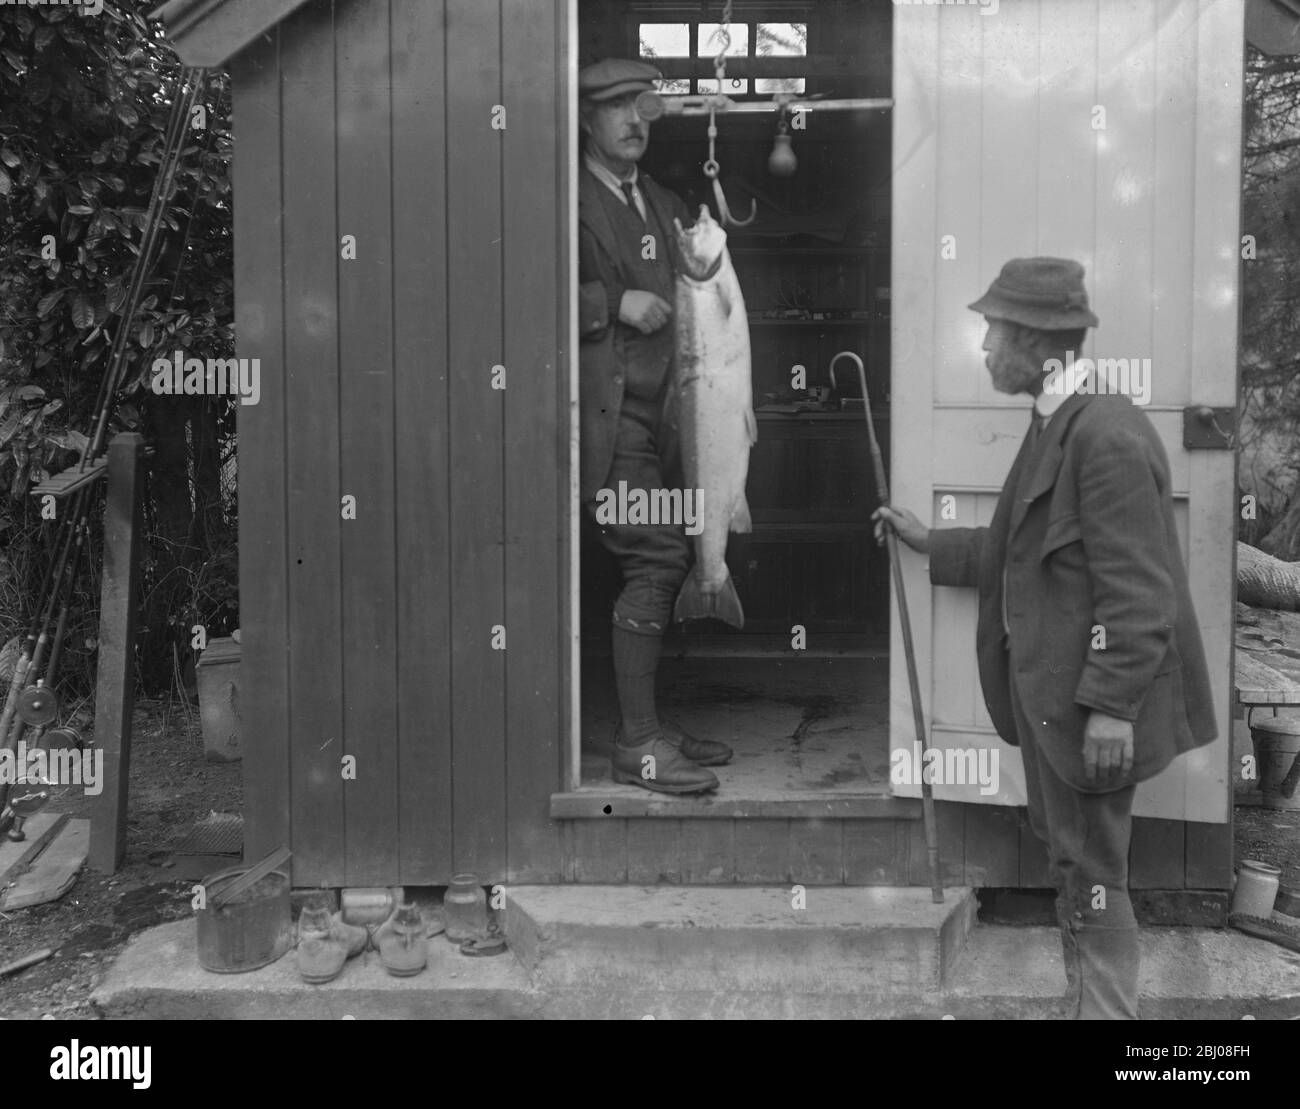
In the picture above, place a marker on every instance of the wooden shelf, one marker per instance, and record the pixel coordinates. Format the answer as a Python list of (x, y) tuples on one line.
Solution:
[(849, 415), (840, 322), (829, 251)]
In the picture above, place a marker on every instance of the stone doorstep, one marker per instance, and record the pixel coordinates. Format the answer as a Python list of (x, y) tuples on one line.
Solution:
[(843, 940), (1004, 972)]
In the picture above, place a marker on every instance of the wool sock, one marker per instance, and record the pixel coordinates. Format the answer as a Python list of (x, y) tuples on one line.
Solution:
[(636, 658)]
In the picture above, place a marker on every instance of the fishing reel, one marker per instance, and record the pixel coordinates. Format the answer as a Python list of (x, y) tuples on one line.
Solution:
[(37, 705), (25, 799)]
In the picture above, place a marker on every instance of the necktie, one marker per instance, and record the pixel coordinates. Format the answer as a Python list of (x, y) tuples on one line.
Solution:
[(626, 186)]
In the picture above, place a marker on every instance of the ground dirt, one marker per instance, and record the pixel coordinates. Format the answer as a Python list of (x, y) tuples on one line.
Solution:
[(171, 787)]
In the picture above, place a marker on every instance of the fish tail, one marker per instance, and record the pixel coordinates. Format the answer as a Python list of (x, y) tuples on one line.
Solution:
[(693, 603), (741, 522)]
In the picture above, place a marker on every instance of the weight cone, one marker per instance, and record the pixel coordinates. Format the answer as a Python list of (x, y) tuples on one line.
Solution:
[(37, 706)]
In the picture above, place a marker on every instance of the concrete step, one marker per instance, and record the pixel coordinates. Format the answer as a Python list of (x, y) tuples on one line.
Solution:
[(825, 939), (1005, 972), (1008, 973)]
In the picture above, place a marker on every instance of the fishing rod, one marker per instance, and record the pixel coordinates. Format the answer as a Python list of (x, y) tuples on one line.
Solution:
[(38, 627), (905, 623), (38, 707), (163, 184), (30, 698)]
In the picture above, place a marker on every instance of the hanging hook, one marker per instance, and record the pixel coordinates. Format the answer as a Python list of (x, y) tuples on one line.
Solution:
[(711, 168), (724, 212)]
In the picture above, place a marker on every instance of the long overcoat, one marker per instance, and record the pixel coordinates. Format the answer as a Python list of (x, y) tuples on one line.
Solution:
[(605, 261)]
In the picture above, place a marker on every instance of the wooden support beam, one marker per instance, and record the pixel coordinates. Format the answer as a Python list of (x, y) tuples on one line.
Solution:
[(115, 689)]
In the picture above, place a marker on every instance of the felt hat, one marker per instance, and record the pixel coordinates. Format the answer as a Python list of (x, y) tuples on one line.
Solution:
[(1046, 293), (616, 77)]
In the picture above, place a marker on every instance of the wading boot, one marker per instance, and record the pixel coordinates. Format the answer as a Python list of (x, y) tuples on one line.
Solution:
[(702, 752), (1108, 972), (1070, 956), (660, 766)]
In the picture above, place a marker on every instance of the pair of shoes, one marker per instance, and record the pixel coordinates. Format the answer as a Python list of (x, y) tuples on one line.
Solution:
[(325, 943), (658, 765), (702, 752)]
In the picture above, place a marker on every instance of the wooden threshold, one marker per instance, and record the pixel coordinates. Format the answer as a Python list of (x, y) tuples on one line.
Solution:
[(759, 645), (598, 802)]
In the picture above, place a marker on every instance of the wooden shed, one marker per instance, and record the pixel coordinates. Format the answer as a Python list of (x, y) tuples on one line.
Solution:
[(421, 622)]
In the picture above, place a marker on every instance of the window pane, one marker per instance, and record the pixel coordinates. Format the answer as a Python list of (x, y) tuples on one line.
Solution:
[(677, 86), (732, 86), (665, 40), (711, 40), (778, 84), (781, 40)]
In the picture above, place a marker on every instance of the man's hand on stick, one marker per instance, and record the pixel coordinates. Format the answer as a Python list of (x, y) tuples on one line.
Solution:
[(906, 526)]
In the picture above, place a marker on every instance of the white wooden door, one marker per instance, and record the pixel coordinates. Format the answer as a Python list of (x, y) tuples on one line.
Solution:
[(1106, 131)]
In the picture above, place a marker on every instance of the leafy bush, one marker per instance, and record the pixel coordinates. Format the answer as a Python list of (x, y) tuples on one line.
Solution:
[(84, 105)]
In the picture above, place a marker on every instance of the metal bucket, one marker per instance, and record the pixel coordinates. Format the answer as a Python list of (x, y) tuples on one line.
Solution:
[(1277, 752), (250, 933)]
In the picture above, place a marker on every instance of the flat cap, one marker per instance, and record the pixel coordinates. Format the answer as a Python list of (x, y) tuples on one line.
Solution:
[(1046, 293), (616, 76)]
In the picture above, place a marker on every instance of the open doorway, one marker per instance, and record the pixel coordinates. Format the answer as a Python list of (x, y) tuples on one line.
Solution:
[(801, 692)]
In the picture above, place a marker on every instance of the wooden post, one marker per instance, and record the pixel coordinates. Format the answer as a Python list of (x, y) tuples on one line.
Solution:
[(115, 688)]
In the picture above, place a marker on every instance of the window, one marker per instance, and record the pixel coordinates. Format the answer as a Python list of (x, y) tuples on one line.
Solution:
[(685, 53)]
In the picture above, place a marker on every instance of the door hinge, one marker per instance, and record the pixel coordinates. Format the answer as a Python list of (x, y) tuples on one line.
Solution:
[(1209, 429)]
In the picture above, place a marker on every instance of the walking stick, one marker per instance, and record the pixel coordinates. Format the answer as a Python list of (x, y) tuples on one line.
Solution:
[(905, 622)]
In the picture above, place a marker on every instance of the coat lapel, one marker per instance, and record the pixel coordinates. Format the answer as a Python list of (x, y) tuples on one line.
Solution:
[(1048, 462), (591, 211)]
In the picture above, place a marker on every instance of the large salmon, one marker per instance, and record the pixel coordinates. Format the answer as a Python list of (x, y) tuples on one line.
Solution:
[(711, 403)]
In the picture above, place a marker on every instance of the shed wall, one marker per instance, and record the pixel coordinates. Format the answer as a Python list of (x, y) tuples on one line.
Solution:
[(420, 637)]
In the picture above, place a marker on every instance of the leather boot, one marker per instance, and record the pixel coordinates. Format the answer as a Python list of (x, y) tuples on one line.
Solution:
[(402, 942), (1109, 959), (354, 935), (702, 752), (322, 951), (670, 772)]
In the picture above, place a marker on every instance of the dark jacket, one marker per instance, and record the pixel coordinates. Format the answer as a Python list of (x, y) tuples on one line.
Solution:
[(605, 262), (1090, 550)]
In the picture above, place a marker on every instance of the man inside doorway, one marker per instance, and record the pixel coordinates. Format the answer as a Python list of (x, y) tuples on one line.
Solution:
[(627, 265), (1090, 657)]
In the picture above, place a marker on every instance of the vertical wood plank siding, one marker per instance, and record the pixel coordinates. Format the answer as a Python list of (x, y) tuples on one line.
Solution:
[(535, 324), (364, 182), (263, 583), (318, 653), (475, 344), (420, 440), (373, 637)]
